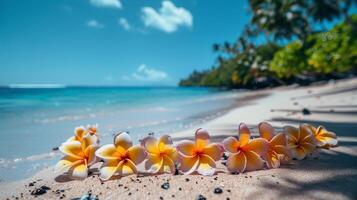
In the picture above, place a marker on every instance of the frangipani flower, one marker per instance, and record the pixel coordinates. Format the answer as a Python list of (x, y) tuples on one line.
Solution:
[(79, 155), (92, 129), (199, 155), (120, 157), (324, 138), (161, 155), (244, 154), (79, 133), (277, 150), (301, 142)]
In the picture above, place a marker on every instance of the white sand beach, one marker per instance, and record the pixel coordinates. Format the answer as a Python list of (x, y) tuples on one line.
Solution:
[(333, 175)]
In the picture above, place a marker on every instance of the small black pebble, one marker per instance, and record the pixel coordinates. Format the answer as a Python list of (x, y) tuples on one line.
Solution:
[(45, 187), (129, 193), (180, 189), (38, 191), (201, 197), (228, 190), (31, 184), (215, 178), (187, 179), (277, 182), (225, 157), (173, 196), (306, 111), (176, 171), (161, 198), (217, 190), (227, 198), (55, 149), (165, 186)]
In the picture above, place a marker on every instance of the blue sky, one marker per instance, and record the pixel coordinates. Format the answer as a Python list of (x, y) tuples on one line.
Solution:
[(112, 42)]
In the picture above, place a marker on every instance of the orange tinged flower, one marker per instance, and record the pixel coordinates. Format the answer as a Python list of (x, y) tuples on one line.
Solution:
[(324, 138), (301, 142), (120, 157), (80, 132), (92, 129), (79, 155), (161, 155), (245, 153), (277, 150), (199, 155)]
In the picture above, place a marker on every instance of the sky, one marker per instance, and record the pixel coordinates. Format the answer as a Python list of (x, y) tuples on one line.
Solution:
[(113, 42)]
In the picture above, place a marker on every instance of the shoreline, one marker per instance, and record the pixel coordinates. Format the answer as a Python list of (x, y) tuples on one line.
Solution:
[(332, 176)]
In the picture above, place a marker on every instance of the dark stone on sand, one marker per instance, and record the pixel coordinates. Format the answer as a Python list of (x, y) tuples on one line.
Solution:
[(217, 190), (306, 111), (187, 179), (38, 191), (55, 149), (31, 184), (45, 187), (165, 186), (201, 197), (176, 170), (225, 156)]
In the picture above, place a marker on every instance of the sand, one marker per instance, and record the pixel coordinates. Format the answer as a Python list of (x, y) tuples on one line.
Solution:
[(333, 175)]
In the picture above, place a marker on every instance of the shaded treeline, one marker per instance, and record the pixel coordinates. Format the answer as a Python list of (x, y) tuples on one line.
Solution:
[(297, 46)]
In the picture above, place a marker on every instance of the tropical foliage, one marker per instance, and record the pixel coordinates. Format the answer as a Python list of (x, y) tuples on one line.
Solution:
[(297, 48)]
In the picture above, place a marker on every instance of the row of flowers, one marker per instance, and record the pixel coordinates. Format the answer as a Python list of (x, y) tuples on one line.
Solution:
[(121, 158)]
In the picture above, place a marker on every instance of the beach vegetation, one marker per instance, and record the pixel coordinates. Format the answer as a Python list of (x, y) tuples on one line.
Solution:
[(285, 42)]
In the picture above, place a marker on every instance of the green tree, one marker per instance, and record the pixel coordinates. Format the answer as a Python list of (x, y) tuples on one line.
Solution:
[(334, 50), (289, 61)]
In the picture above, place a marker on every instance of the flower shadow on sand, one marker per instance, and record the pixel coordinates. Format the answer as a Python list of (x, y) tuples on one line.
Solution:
[(335, 172)]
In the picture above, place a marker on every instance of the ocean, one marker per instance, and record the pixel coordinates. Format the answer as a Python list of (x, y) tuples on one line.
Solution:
[(35, 120)]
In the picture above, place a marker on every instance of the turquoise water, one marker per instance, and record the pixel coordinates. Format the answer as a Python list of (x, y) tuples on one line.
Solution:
[(33, 121)]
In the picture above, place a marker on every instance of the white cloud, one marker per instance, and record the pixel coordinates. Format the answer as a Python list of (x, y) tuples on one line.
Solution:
[(124, 23), (107, 3), (144, 73), (168, 18), (94, 24)]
